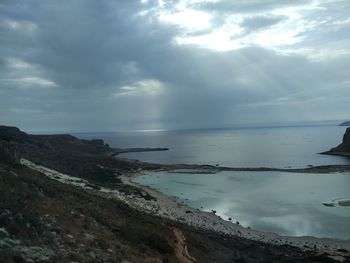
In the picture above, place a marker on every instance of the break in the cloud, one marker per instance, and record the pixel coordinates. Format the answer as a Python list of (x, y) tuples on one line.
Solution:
[(116, 65)]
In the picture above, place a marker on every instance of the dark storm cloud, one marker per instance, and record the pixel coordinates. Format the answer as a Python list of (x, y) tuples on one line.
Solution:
[(93, 65), (82, 44), (257, 22)]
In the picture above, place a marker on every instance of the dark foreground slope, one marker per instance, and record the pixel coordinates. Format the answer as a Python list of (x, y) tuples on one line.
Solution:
[(88, 159), (42, 220)]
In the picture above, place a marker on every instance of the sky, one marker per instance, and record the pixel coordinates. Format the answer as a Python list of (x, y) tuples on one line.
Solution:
[(86, 65)]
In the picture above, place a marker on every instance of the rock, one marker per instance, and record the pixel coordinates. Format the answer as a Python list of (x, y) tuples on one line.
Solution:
[(343, 148), (98, 142), (329, 204), (344, 203), (3, 233), (8, 152), (36, 254), (11, 133), (8, 243), (89, 237)]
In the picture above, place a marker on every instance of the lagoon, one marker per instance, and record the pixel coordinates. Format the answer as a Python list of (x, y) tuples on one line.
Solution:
[(284, 203)]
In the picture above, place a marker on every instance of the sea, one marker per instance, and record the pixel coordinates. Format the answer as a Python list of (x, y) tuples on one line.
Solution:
[(280, 202)]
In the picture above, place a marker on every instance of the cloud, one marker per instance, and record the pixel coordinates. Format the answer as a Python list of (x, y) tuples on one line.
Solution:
[(262, 21), (249, 6), (91, 65), (27, 82), (278, 25), (141, 88)]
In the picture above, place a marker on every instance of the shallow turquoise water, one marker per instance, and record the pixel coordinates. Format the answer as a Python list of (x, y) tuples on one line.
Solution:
[(285, 203)]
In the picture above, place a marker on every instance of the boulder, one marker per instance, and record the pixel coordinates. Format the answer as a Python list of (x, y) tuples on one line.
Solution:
[(3, 233), (35, 254)]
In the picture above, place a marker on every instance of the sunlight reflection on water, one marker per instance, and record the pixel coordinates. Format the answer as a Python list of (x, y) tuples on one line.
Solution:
[(286, 203)]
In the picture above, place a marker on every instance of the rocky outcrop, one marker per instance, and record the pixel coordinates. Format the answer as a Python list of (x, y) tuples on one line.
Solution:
[(11, 133), (343, 148), (8, 137), (8, 152)]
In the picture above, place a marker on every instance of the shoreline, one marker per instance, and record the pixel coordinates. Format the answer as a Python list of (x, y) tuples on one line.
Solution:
[(207, 168), (117, 151), (168, 208), (171, 209)]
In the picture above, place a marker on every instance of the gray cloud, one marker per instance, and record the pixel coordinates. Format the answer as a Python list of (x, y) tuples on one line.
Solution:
[(236, 6), (88, 65), (257, 22)]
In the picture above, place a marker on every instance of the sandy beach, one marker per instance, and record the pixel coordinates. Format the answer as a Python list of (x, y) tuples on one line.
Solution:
[(171, 208)]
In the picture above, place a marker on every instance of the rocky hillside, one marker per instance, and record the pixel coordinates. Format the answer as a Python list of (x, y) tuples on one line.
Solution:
[(343, 148), (88, 159), (8, 152)]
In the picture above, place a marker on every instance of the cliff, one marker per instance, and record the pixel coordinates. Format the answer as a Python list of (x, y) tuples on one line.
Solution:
[(8, 152), (8, 133), (343, 148)]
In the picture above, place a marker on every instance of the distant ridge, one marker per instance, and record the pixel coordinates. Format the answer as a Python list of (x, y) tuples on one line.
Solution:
[(345, 123)]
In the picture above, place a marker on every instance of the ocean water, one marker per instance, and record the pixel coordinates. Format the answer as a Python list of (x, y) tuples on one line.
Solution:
[(279, 202), (253, 147), (285, 203)]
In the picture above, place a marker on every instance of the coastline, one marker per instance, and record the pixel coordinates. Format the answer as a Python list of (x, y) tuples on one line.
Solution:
[(167, 207), (170, 208), (332, 168), (117, 151)]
